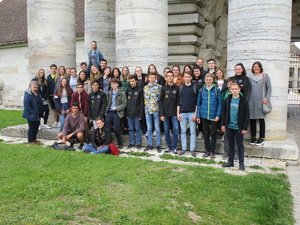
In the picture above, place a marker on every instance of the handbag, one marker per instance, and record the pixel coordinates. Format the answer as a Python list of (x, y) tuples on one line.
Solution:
[(113, 149), (267, 108)]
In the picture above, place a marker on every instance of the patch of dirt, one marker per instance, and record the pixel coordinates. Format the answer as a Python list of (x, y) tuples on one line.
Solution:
[(194, 217), (179, 170)]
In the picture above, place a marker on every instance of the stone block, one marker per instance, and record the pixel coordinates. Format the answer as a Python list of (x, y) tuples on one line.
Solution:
[(181, 60), (193, 18), (183, 8), (206, 53), (184, 39), (209, 36), (221, 28), (183, 50), (185, 29)]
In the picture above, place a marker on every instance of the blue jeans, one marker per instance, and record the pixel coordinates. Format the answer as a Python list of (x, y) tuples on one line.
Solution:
[(135, 134), (149, 120), (172, 143), (64, 106), (90, 148), (186, 118)]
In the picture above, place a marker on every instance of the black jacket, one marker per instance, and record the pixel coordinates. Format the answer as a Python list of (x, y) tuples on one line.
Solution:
[(103, 138), (243, 113), (244, 83), (135, 102), (168, 100), (97, 104)]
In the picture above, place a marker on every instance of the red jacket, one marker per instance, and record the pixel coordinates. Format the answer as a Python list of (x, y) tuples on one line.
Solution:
[(83, 103)]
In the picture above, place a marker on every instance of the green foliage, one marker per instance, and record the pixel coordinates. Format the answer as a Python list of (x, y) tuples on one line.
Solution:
[(276, 169), (11, 118), (256, 167), (145, 154), (44, 186), (189, 159)]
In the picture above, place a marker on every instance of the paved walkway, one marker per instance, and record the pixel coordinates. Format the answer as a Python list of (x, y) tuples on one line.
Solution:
[(293, 127)]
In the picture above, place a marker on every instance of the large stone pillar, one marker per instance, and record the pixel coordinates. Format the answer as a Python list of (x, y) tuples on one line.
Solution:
[(261, 30), (51, 33), (142, 33), (100, 27)]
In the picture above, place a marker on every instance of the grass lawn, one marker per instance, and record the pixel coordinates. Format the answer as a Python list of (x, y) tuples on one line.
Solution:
[(44, 186), (11, 118)]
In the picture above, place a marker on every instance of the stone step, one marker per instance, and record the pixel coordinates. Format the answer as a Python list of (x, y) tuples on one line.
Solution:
[(184, 40), (184, 8), (183, 50), (281, 149), (184, 30), (192, 18), (181, 59)]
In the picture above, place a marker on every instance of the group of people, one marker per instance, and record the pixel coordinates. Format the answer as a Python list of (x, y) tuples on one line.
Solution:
[(195, 100)]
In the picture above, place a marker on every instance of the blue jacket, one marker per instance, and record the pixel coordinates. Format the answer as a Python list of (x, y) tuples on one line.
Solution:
[(209, 103), (32, 108), (95, 58)]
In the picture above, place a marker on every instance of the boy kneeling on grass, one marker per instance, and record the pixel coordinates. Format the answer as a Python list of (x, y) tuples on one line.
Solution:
[(235, 121)]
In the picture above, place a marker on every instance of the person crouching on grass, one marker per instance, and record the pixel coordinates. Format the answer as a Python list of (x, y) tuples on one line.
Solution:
[(235, 122), (74, 126), (101, 138)]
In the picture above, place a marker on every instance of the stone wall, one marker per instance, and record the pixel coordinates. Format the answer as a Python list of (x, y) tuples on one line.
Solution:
[(198, 29), (15, 74)]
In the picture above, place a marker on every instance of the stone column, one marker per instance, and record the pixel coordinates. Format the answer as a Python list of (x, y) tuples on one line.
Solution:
[(142, 33), (261, 31), (100, 27), (51, 34)]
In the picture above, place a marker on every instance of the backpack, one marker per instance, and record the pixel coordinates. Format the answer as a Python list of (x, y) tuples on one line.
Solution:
[(113, 149)]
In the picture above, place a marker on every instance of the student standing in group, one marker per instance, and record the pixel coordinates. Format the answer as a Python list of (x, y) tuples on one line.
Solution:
[(52, 81), (103, 65), (33, 109), (186, 113), (73, 79), (82, 98), (96, 75), (106, 80), (241, 79), (209, 109), (168, 101), (84, 67), (44, 92), (212, 66), (159, 78), (94, 55), (135, 112), (116, 105), (235, 121), (83, 78), (62, 101), (97, 103), (261, 90), (178, 78), (200, 63), (151, 97)]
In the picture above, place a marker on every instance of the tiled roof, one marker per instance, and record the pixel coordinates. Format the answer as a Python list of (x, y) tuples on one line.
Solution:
[(13, 21)]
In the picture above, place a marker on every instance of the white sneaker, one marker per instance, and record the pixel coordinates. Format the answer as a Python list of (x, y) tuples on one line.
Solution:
[(54, 125), (40, 127), (46, 126), (58, 125)]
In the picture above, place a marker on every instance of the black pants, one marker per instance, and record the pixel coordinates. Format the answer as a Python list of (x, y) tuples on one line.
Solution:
[(45, 113), (232, 136), (209, 134), (113, 121), (262, 128), (33, 130)]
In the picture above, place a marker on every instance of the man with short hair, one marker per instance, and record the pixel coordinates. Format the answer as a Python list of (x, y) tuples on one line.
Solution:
[(116, 105), (151, 96), (97, 103), (82, 97), (186, 113), (103, 65), (212, 66), (135, 111), (74, 126), (52, 82), (200, 63), (84, 67), (168, 101)]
